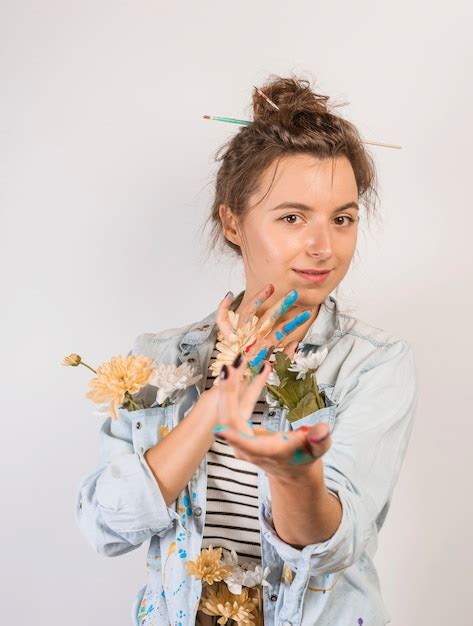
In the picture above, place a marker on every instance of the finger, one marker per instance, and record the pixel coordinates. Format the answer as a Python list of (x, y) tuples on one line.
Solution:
[(265, 330), (291, 447), (255, 303), (276, 337), (284, 329), (229, 410), (268, 320), (281, 307), (253, 390), (278, 446), (319, 439), (222, 317), (290, 349)]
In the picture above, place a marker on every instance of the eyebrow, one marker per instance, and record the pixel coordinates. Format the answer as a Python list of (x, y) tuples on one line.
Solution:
[(304, 207)]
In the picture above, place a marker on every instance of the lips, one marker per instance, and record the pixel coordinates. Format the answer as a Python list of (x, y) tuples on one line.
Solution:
[(313, 277), (316, 272)]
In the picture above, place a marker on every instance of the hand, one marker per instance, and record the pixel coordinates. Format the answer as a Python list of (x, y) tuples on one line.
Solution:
[(268, 336), (283, 454)]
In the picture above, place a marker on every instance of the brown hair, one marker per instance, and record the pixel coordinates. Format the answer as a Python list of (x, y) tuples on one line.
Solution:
[(303, 124)]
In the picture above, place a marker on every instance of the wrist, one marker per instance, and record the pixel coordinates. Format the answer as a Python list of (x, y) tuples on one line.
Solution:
[(310, 475)]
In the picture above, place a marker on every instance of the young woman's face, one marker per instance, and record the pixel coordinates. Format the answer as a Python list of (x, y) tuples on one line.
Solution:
[(311, 232)]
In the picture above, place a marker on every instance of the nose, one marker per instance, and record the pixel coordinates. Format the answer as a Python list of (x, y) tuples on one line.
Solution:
[(319, 242)]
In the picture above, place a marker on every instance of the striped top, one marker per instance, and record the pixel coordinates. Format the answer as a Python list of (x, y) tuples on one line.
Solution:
[(231, 520)]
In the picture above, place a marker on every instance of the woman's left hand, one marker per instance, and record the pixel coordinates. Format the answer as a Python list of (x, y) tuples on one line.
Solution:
[(289, 453)]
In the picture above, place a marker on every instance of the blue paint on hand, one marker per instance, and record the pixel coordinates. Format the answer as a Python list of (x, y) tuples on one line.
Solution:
[(259, 357), (289, 301)]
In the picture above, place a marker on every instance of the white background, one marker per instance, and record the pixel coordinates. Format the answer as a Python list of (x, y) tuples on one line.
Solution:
[(106, 174)]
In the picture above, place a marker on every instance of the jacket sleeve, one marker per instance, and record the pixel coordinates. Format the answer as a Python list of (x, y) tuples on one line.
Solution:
[(373, 426), (119, 505)]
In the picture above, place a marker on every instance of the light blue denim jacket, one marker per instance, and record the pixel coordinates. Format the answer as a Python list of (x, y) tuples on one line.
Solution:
[(370, 382)]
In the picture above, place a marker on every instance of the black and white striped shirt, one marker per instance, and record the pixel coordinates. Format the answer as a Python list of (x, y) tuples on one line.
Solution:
[(232, 494)]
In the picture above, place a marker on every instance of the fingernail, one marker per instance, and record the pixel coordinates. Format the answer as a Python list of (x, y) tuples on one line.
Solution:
[(224, 371), (237, 360), (229, 294)]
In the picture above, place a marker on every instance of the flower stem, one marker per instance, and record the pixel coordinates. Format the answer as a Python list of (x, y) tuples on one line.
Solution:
[(90, 368), (318, 397)]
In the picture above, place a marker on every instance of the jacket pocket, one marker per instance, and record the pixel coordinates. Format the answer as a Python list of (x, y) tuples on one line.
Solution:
[(325, 414), (149, 426)]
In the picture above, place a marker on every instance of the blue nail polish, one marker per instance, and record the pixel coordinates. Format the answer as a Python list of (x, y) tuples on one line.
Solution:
[(220, 427), (279, 335)]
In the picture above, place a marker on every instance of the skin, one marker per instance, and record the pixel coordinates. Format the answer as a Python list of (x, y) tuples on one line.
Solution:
[(273, 242)]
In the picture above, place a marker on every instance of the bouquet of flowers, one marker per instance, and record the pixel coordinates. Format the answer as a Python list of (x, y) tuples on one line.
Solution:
[(134, 382), (292, 384), (231, 591)]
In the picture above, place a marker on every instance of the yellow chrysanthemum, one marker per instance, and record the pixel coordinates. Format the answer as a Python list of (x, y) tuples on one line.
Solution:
[(208, 567), (222, 602), (117, 377), (229, 348)]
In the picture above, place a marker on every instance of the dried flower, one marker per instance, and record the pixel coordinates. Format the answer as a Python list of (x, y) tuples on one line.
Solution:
[(302, 363), (119, 378), (171, 378), (208, 567), (238, 341), (248, 574), (72, 359), (239, 607), (294, 390)]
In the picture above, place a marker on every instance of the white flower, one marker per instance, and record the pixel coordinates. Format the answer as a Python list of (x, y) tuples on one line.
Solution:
[(248, 574), (273, 378), (302, 363), (170, 378)]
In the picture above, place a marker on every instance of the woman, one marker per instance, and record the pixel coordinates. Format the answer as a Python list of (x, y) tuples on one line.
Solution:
[(305, 499)]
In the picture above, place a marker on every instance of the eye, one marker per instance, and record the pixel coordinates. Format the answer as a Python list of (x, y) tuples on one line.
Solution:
[(290, 215), (348, 217)]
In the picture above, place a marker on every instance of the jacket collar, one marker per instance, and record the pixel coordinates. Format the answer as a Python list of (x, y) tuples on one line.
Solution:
[(318, 333)]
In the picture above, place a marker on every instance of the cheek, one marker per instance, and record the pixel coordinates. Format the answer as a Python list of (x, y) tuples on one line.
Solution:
[(278, 246)]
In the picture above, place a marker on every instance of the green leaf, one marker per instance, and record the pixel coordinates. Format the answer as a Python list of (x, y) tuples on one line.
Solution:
[(275, 391), (306, 406)]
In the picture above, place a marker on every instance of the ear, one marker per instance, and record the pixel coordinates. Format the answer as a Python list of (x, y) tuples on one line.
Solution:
[(229, 224)]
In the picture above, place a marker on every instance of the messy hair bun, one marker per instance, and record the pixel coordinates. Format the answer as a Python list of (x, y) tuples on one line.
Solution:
[(299, 120), (294, 99)]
